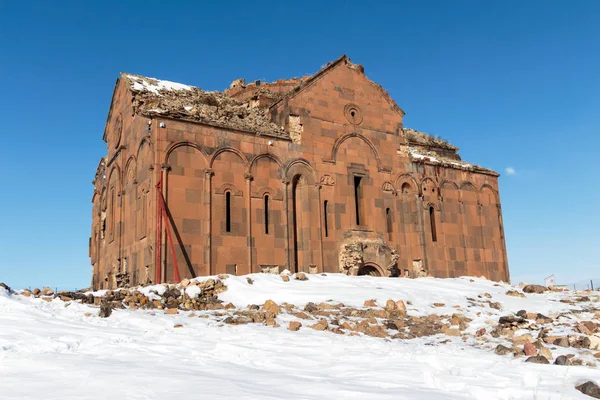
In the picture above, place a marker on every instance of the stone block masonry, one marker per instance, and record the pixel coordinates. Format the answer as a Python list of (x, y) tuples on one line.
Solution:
[(313, 174)]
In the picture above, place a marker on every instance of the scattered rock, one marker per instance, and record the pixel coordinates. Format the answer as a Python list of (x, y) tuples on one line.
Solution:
[(544, 351), (302, 315), (438, 304), (510, 320), (46, 292), (391, 305), (538, 360), (400, 306), (250, 280), (311, 307), (451, 331), (561, 360), (171, 311), (178, 326), (271, 306), (480, 332), (5, 286), (105, 310), (26, 293), (535, 289), (594, 342), (294, 326), (36, 292), (185, 282), (301, 276), (370, 303), (587, 327), (530, 349), (561, 341), (522, 339), (320, 326), (589, 388), (502, 350), (285, 278), (375, 331), (514, 293)]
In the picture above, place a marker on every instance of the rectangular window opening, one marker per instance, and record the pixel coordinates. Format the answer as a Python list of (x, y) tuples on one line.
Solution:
[(357, 197), (325, 204), (228, 212), (432, 221), (267, 214)]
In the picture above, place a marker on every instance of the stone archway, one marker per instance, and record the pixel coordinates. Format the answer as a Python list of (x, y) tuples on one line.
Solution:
[(370, 270)]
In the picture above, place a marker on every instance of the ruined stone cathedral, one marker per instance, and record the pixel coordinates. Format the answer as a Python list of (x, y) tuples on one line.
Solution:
[(314, 174)]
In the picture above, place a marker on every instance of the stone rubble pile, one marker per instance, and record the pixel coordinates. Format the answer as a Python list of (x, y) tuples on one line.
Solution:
[(535, 337)]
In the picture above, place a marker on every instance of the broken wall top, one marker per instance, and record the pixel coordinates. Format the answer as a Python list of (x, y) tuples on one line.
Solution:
[(247, 107), (422, 147), (153, 97)]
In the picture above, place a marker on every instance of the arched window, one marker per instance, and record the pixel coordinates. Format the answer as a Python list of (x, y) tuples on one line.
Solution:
[(228, 212), (325, 217), (389, 223), (266, 214), (432, 222)]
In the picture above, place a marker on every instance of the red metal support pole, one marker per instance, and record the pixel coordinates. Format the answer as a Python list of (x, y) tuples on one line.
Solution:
[(175, 266), (162, 209)]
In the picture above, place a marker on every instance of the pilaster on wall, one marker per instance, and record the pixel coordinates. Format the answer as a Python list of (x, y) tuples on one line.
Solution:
[(486, 271), (250, 242), (285, 187), (421, 222), (318, 187), (208, 175), (163, 176)]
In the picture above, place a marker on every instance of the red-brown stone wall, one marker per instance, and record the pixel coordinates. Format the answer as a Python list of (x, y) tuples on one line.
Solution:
[(123, 202), (346, 130)]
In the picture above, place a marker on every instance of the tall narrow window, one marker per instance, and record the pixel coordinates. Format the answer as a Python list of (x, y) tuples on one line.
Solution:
[(228, 212), (267, 214), (144, 223), (432, 221), (325, 206), (112, 215), (357, 197), (388, 222)]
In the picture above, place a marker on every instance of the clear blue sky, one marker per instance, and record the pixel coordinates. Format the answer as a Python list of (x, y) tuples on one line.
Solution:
[(513, 84)]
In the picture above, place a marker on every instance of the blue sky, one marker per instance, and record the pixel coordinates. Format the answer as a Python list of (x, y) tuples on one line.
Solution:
[(515, 85)]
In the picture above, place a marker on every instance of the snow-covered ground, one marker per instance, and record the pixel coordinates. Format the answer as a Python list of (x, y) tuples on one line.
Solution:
[(58, 350)]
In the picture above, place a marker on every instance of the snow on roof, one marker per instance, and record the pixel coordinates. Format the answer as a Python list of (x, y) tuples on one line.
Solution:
[(175, 100), (141, 83), (435, 160)]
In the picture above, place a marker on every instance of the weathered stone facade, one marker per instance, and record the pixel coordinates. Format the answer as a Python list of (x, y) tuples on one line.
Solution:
[(315, 174)]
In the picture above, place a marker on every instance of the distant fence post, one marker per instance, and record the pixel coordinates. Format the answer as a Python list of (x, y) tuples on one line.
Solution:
[(592, 283)]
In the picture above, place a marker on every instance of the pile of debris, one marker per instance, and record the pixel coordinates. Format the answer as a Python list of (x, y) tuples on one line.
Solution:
[(188, 295), (153, 97), (571, 337)]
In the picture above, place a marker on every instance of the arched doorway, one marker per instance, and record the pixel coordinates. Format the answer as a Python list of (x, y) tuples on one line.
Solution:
[(369, 269)]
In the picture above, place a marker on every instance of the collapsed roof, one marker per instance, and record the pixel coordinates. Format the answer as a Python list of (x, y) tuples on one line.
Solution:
[(246, 108), (429, 149), (153, 97)]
